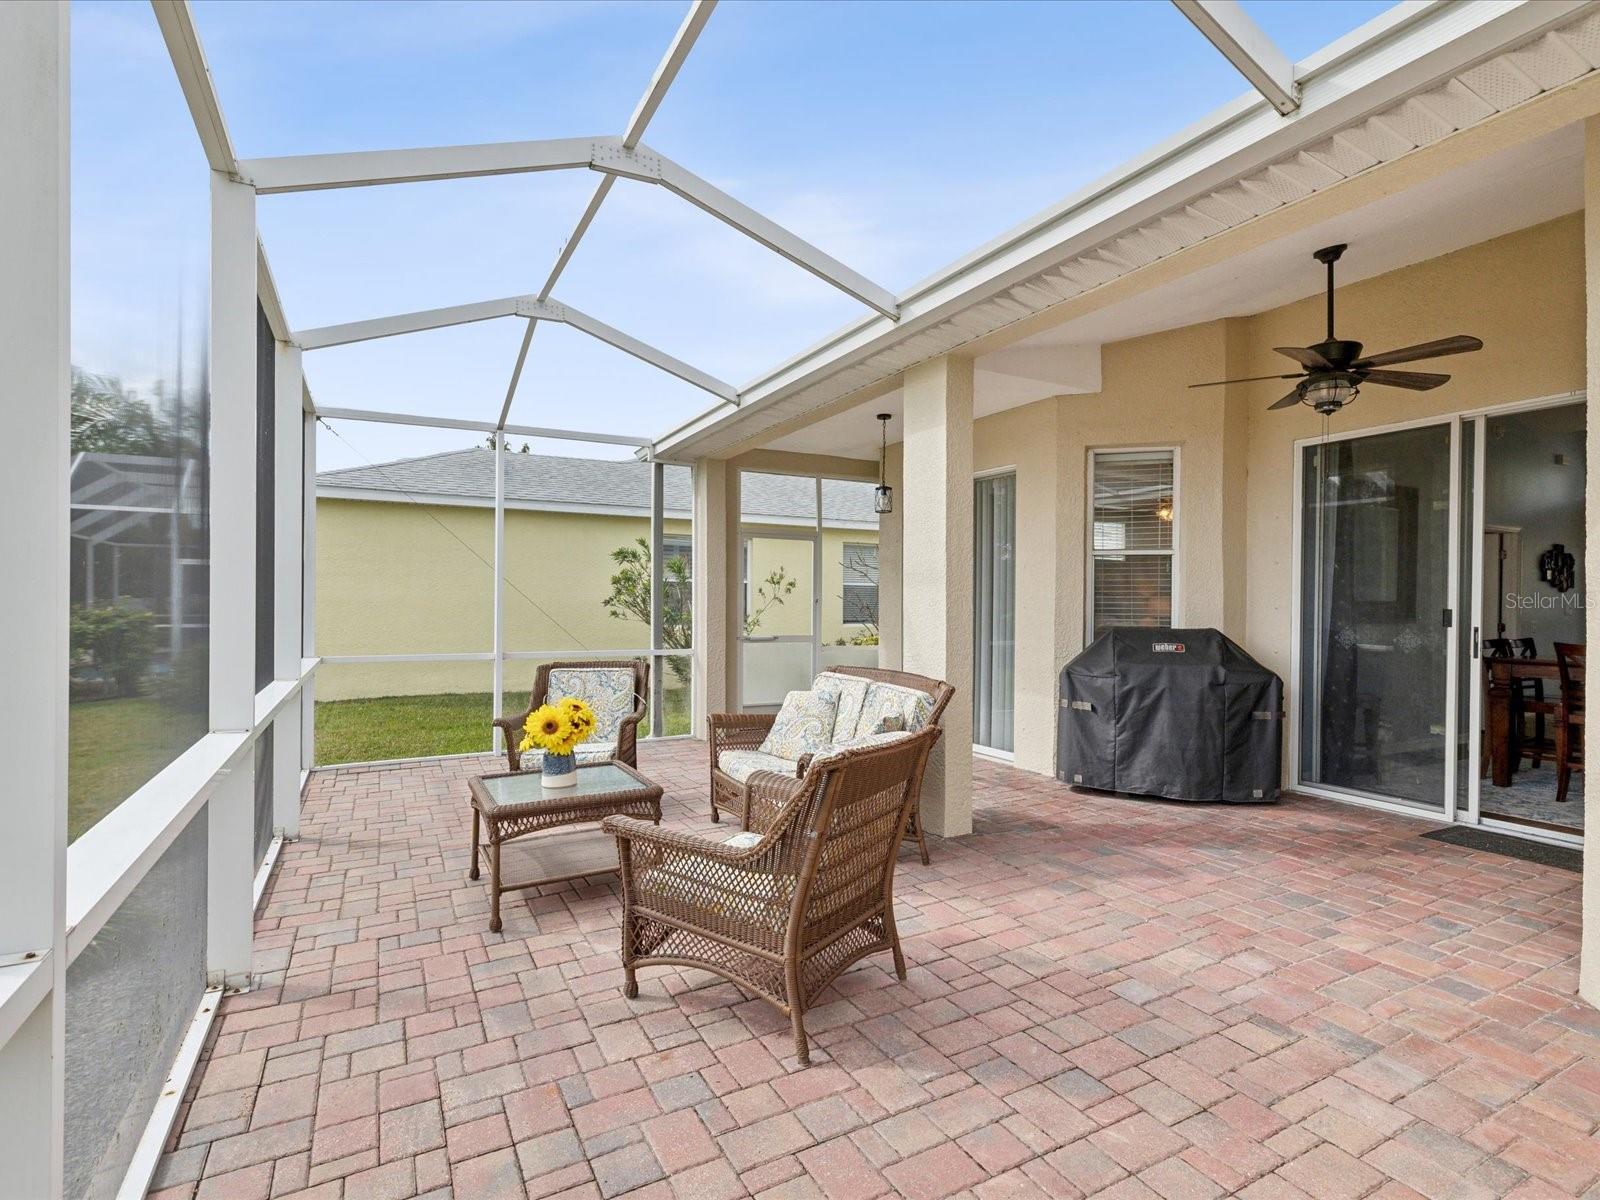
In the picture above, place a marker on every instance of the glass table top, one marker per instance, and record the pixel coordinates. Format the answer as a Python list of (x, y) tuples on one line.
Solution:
[(592, 780)]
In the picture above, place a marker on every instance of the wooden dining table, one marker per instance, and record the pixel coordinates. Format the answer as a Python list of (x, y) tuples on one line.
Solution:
[(1505, 678)]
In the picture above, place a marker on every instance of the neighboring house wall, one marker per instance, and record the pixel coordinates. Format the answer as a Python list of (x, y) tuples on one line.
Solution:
[(769, 554), (404, 578)]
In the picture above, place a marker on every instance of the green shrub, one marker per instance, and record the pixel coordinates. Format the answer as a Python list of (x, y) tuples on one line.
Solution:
[(118, 642)]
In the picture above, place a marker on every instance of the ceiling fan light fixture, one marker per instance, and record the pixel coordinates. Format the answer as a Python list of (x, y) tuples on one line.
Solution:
[(1329, 393)]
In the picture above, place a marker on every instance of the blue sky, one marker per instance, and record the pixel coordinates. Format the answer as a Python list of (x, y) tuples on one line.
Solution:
[(895, 136)]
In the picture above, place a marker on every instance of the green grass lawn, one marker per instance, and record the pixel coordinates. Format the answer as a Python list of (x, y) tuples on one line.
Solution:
[(117, 746), (412, 726)]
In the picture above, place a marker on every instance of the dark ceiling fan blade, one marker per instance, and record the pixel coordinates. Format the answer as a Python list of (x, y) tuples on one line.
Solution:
[(1288, 401), (1460, 344), (1306, 357), (1416, 381), (1247, 379)]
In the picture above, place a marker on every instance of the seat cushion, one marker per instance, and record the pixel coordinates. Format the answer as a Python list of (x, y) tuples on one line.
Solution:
[(804, 725), (587, 752), (852, 693), (741, 764), (607, 690), (912, 706)]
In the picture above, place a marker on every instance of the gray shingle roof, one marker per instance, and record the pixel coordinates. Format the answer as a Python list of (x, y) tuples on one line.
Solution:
[(545, 480)]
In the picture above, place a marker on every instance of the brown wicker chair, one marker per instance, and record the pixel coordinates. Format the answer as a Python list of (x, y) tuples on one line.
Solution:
[(627, 734), (746, 731), (786, 916)]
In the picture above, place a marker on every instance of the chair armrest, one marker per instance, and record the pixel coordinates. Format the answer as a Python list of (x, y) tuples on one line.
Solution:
[(628, 735), (631, 829), (768, 794), (513, 731), (737, 731)]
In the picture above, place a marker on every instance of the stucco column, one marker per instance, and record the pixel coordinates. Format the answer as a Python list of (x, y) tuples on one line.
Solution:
[(889, 558), (1589, 968), (710, 580), (936, 571)]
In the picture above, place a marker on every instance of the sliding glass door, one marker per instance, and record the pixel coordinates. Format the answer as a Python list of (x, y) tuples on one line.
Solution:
[(994, 616), (1376, 605)]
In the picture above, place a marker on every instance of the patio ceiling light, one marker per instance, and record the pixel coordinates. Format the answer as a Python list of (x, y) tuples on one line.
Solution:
[(883, 494), (1329, 393)]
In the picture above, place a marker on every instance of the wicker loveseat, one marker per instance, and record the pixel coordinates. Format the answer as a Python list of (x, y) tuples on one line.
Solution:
[(785, 916), (614, 688), (736, 738)]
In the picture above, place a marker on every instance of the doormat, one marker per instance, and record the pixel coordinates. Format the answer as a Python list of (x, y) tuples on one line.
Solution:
[(1564, 857)]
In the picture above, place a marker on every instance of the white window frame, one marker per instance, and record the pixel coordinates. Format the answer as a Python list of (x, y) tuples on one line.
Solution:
[(844, 616), (1174, 552)]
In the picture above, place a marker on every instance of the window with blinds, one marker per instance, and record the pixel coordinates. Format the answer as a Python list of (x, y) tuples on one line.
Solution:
[(1133, 519), (860, 583)]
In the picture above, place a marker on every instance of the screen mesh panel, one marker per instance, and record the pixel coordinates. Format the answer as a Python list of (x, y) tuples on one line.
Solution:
[(131, 994), (263, 793)]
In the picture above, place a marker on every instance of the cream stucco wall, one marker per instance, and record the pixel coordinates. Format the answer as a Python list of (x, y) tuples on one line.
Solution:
[(1522, 294)]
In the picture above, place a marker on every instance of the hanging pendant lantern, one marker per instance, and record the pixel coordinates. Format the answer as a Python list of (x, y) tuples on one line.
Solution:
[(883, 494)]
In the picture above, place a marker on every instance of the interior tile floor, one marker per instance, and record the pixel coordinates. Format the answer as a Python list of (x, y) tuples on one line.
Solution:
[(1106, 997)]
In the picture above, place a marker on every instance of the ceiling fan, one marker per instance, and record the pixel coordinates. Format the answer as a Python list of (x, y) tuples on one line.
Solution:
[(1335, 370)]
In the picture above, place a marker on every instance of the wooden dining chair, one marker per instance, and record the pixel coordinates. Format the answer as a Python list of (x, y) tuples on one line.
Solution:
[(1569, 719), (1528, 698)]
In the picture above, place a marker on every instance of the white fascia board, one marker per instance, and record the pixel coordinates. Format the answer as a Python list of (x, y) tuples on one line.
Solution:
[(1396, 57), (650, 166), (194, 77), (1243, 43), (415, 322), (367, 168), (549, 310)]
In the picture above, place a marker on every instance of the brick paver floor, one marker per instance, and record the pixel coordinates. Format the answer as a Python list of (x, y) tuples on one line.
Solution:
[(1106, 997)]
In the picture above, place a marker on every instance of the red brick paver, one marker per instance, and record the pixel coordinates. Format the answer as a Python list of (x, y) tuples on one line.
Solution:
[(1106, 997)]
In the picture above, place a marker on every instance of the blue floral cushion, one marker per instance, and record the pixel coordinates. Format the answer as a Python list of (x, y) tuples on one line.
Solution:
[(804, 725), (741, 764), (587, 752), (607, 690), (888, 700), (852, 693)]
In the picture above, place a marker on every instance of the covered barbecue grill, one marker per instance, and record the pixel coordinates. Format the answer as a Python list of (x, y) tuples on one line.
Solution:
[(1180, 713)]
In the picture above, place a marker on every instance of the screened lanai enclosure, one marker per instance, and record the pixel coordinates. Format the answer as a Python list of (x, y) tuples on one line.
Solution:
[(342, 394)]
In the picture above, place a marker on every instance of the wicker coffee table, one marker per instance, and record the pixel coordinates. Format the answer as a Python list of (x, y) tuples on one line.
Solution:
[(514, 814)]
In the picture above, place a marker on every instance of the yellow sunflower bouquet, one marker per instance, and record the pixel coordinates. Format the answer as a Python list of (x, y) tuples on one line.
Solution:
[(557, 729)]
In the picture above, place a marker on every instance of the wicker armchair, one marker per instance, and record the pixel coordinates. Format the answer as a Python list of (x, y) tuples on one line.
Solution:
[(626, 733), (785, 917), (746, 731)]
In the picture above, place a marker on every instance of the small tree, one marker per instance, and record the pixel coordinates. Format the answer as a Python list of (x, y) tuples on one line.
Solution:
[(629, 599), (857, 562), (769, 593)]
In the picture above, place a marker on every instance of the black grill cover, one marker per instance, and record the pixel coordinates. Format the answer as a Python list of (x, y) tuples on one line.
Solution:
[(1180, 713)]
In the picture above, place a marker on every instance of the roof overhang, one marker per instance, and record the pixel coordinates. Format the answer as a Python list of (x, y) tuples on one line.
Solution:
[(1416, 75)]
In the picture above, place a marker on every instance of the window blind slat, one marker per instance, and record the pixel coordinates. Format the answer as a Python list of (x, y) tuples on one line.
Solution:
[(1134, 511)]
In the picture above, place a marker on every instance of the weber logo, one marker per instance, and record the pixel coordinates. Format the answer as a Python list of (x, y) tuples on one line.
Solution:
[(1166, 647)]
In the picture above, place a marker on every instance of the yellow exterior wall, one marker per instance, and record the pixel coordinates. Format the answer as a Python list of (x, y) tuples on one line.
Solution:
[(1523, 294), (400, 578), (769, 554)]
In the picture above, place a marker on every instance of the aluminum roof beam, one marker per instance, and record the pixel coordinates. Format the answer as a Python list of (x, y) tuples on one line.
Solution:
[(1245, 44), (512, 306), (666, 71), (366, 168), (564, 435)]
